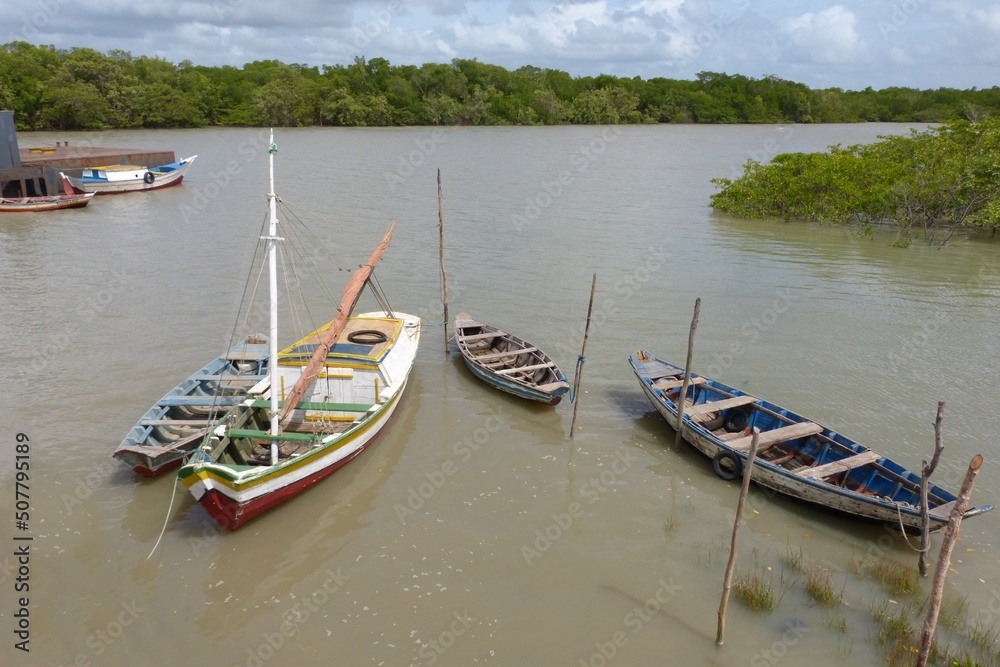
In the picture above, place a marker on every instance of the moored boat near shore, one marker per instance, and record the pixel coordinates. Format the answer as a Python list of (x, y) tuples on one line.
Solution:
[(50, 203), (509, 363), (116, 179), (797, 458)]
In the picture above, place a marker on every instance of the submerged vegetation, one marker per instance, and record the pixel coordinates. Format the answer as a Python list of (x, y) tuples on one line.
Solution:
[(931, 183), (80, 88)]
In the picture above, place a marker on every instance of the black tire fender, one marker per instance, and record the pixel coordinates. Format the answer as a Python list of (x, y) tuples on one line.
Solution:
[(149, 178), (737, 419), (728, 472), (367, 337)]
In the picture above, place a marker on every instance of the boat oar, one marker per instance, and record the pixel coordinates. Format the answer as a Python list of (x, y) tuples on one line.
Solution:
[(687, 374), (579, 362)]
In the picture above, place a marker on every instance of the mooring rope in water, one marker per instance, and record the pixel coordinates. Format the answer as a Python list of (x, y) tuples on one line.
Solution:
[(576, 378), (166, 519)]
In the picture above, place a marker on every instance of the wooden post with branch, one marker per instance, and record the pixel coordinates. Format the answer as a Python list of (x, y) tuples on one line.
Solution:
[(687, 374), (578, 376), (944, 559), (444, 274), (925, 482), (727, 583)]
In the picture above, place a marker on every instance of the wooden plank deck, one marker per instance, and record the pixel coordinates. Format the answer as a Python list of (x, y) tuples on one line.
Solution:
[(482, 335), (501, 355), (674, 384), (724, 404), (534, 367), (836, 467), (773, 437)]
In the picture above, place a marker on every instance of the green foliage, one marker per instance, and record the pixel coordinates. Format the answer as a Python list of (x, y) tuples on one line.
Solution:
[(80, 88), (933, 182)]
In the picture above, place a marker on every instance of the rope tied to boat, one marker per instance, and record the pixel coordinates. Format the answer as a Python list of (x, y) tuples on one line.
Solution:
[(576, 378), (902, 529)]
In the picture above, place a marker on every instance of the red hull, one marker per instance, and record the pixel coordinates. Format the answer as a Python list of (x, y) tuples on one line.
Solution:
[(232, 514)]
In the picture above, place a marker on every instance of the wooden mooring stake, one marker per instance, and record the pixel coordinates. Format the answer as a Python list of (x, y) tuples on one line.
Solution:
[(687, 374), (444, 274), (579, 366), (731, 565), (926, 471), (944, 559)]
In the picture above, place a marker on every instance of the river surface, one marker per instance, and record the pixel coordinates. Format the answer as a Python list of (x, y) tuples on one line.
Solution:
[(475, 531)]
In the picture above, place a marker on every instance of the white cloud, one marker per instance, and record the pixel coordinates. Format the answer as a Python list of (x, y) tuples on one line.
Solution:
[(898, 56), (989, 19), (828, 37)]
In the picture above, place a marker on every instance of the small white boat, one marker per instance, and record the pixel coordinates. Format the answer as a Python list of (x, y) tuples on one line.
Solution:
[(115, 179)]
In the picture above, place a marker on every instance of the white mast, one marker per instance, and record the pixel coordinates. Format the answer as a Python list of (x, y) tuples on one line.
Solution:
[(272, 258)]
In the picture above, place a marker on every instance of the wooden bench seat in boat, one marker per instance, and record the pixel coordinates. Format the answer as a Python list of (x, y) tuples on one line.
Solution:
[(328, 407), (501, 355), (774, 436), (676, 384), (534, 367), (207, 401), (479, 336), (176, 422), (723, 404), (836, 467)]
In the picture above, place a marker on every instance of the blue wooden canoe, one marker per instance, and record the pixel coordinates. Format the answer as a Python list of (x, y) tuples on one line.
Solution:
[(176, 424), (797, 458), (509, 363)]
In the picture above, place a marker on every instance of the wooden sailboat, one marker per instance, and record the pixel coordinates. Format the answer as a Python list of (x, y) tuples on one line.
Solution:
[(323, 402)]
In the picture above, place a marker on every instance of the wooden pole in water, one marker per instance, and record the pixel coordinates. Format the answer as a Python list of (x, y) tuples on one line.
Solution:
[(731, 566), (687, 374), (583, 352), (944, 559), (925, 476), (444, 274)]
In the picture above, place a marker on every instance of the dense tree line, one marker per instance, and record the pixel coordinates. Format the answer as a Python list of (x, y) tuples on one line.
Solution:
[(80, 88), (929, 183)]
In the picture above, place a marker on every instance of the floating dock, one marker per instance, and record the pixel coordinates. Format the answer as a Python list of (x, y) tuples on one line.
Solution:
[(34, 172)]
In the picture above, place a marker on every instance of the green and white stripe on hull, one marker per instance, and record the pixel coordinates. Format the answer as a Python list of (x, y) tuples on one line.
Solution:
[(243, 484)]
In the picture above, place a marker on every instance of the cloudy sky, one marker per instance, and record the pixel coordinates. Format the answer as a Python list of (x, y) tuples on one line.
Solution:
[(849, 44)]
